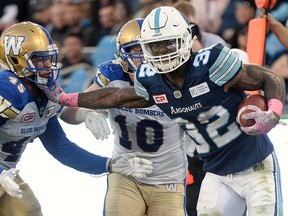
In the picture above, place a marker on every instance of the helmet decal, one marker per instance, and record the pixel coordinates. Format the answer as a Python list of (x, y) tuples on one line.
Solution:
[(157, 21), (13, 44)]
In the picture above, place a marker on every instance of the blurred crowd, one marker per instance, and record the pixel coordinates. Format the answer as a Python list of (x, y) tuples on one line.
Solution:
[(81, 27)]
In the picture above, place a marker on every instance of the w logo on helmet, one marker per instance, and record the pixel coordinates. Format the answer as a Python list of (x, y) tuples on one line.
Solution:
[(13, 43)]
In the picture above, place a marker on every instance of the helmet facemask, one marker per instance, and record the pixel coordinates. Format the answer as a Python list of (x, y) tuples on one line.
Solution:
[(27, 50), (40, 58), (166, 39), (127, 40), (178, 50), (127, 56)]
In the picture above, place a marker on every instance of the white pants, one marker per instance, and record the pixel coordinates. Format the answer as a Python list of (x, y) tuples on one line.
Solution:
[(258, 188)]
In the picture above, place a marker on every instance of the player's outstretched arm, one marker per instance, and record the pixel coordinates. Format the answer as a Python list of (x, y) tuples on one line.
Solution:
[(104, 98), (111, 97), (95, 122), (68, 153), (129, 165)]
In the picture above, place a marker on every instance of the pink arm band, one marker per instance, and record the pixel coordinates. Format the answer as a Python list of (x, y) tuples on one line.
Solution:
[(275, 106), (70, 100)]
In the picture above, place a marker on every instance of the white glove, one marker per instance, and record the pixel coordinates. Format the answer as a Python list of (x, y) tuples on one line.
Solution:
[(265, 121), (97, 124), (7, 178), (129, 165)]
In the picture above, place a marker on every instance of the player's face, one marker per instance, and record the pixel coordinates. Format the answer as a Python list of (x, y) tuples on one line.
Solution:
[(136, 49), (163, 47), (42, 62)]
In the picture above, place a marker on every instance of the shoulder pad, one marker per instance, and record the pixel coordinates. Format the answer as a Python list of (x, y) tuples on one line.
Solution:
[(100, 78), (6, 109), (12, 95), (109, 71)]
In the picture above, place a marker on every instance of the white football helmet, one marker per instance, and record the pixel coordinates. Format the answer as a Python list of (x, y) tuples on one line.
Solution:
[(166, 39)]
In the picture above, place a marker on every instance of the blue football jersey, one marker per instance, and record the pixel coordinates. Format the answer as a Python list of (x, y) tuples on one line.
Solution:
[(205, 111)]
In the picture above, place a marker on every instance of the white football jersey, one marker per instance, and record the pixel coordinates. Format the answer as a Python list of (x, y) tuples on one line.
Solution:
[(147, 132), (21, 119)]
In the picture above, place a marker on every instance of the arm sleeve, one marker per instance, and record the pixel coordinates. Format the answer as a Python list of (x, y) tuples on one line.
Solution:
[(68, 153)]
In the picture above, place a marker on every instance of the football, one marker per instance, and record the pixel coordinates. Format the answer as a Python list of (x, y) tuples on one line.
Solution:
[(251, 103)]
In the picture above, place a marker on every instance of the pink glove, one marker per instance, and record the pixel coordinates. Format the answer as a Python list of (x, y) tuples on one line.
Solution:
[(265, 120), (56, 94)]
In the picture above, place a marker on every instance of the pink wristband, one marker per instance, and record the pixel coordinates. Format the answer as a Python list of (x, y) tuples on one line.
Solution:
[(70, 100), (275, 106)]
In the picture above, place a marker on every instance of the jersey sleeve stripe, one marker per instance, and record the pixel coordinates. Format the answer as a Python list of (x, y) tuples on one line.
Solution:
[(225, 67), (219, 63), (230, 73)]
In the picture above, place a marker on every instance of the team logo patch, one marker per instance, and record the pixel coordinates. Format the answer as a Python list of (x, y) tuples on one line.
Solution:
[(258, 167), (198, 90), (160, 99), (30, 117), (50, 111), (171, 187), (177, 94)]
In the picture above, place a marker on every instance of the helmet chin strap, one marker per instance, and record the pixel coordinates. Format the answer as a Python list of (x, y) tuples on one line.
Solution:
[(10, 65), (4, 66), (193, 40)]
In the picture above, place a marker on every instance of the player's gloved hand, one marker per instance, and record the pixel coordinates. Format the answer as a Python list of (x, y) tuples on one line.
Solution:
[(130, 165), (7, 178), (265, 121), (97, 124), (53, 92)]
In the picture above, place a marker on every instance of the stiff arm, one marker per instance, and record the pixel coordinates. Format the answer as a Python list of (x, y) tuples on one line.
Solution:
[(112, 97)]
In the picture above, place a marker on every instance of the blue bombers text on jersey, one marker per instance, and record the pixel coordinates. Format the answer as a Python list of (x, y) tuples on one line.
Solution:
[(148, 132)]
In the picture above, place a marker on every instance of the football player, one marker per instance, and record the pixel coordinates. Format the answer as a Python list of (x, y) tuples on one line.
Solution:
[(202, 91), (29, 57), (147, 132)]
